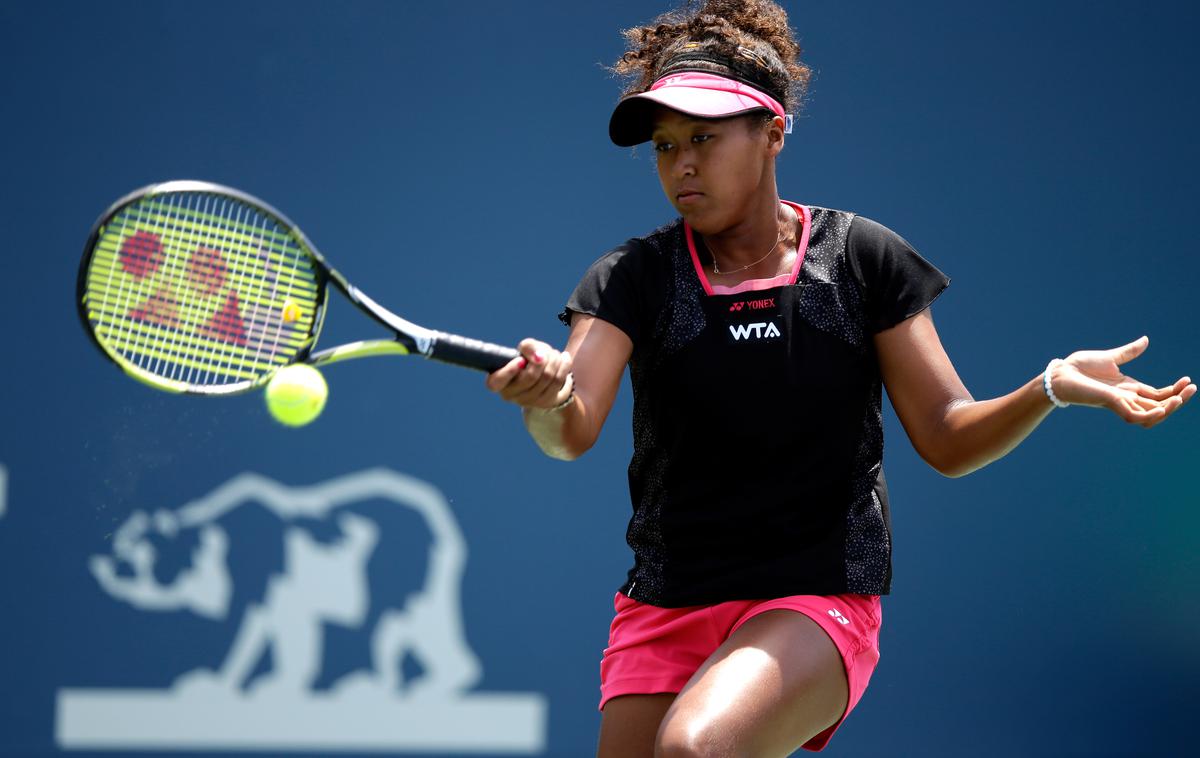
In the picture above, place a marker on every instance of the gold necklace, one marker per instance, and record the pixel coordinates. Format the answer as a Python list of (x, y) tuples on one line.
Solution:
[(713, 250)]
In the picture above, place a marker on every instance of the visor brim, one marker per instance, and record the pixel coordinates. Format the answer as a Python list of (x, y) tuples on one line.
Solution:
[(631, 122)]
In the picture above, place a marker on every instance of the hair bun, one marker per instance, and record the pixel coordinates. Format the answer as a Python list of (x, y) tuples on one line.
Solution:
[(752, 34)]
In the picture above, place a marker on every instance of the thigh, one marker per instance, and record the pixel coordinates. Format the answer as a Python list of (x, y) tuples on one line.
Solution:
[(628, 724), (777, 682)]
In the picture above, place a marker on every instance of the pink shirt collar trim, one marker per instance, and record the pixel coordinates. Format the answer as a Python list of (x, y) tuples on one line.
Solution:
[(751, 285)]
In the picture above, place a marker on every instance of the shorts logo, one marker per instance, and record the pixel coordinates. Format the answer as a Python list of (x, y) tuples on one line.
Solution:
[(840, 618), (758, 330)]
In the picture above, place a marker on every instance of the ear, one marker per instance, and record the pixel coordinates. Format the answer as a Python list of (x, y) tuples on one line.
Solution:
[(775, 136)]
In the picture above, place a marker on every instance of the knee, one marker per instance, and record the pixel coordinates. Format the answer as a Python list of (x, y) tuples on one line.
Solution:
[(678, 738)]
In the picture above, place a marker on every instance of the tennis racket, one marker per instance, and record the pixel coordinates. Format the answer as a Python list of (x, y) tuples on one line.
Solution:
[(195, 287)]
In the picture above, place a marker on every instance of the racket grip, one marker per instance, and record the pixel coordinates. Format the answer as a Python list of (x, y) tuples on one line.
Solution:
[(476, 354)]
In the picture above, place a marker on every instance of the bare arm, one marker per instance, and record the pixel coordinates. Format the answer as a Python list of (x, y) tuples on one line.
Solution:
[(957, 434), (596, 354)]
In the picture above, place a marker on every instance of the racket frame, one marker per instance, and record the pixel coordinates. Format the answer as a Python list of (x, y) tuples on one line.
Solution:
[(409, 338)]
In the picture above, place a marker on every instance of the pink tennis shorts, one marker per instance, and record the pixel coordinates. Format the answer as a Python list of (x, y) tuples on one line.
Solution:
[(652, 650)]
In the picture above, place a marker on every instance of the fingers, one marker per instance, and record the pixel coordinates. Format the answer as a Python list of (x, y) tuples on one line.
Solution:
[(545, 394), (1161, 393), (1158, 404), (1135, 410), (1147, 412), (535, 378), (498, 380), (1187, 392), (1126, 353), (1164, 393), (1176, 402)]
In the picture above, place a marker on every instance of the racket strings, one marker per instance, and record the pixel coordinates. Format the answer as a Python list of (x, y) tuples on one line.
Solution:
[(201, 289)]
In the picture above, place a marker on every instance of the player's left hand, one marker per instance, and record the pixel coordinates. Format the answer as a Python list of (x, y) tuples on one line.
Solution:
[(1093, 377)]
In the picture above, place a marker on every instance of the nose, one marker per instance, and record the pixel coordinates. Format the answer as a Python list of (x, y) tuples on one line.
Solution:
[(684, 164)]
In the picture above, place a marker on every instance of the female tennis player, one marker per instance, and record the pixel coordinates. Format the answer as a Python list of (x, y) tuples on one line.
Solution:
[(759, 332)]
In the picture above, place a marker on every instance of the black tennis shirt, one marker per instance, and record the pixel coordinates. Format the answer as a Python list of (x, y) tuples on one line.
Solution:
[(757, 466)]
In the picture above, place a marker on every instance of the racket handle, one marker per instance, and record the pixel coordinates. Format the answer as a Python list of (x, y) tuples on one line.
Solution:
[(463, 351)]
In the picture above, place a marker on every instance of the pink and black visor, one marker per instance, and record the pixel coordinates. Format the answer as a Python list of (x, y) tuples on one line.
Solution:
[(695, 93)]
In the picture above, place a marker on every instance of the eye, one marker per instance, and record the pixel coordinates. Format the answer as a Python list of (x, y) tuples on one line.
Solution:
[(662, 147), (701, 138)]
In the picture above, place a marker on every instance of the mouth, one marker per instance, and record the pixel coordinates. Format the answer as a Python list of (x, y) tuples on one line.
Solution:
[(685, 197)]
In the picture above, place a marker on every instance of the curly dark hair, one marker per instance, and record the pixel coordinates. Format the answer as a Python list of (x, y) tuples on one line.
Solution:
[(749, 33)]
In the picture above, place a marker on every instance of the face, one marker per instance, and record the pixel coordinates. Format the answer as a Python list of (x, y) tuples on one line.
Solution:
[(714, 170)]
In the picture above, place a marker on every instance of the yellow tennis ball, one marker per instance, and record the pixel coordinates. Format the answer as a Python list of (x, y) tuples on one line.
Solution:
[(291, 312), (296, 394)]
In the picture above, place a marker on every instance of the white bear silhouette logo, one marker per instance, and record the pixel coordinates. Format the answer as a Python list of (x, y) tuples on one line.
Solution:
[(322, 582)]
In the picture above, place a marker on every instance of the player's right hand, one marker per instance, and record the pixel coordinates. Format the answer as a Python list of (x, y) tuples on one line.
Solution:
[(536, 378)]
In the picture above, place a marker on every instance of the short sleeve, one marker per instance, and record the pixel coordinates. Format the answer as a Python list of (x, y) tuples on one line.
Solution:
[(609, 290), (897, 282)]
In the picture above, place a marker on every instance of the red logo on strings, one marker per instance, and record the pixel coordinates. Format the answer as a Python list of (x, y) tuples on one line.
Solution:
[(226, 324), (160, 308), (140, 254), (207, 274), (206, 271)]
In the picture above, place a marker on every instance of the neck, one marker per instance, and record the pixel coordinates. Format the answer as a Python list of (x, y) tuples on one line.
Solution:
[(747, 241)]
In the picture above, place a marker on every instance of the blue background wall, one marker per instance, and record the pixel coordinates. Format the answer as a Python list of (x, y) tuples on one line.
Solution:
[(453, 159)]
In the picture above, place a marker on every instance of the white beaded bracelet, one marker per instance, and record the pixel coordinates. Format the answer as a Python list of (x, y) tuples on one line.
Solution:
[(1046, 384)]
